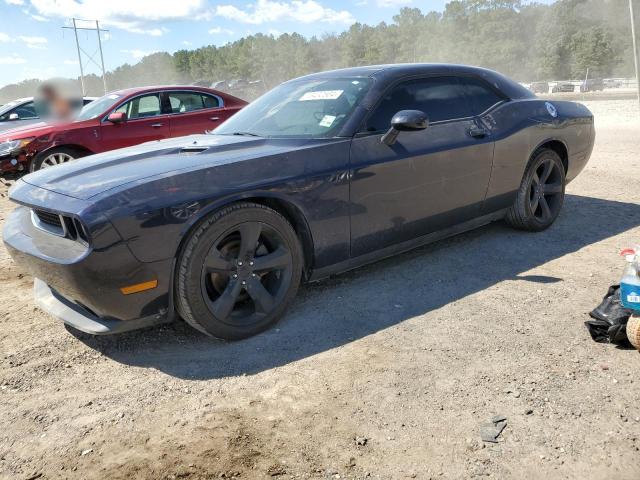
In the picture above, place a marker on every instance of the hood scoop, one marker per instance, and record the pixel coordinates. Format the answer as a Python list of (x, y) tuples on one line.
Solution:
[(99, 173), (193, 150)]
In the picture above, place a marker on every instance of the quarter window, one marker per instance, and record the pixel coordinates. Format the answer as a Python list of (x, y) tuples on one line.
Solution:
[(210, 102), (190, 101), (141, 107), (482, 97), (441, 98)]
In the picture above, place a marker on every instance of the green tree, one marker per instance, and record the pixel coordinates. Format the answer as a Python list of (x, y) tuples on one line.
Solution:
[(592, 49)]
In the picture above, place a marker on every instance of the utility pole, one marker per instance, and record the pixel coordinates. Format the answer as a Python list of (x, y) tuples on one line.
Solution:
[(75, 31), (89, 58), (104, 77), (635, 48)]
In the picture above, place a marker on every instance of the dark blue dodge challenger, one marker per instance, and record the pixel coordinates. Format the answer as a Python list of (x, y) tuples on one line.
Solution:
[(322, 174)]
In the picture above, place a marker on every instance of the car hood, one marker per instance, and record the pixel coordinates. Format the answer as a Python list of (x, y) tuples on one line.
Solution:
[(96, 174), (18, 124), (31, 130)]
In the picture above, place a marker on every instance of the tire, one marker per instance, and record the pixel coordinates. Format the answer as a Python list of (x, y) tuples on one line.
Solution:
[(53, 157), (541, 193), (238, 271)]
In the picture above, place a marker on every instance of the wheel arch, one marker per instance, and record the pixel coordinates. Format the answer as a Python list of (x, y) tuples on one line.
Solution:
[(558, 146), (298, 221), (285, 207), (73, 146)]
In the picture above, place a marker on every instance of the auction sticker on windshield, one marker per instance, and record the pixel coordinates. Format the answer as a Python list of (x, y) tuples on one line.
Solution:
[(327, 121), (321, 95)]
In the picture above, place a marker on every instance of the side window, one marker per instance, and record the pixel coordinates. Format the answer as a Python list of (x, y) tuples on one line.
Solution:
[(481, 95), (210, 102), (182, 102), (441, 98), (25, 111), (141, 107)]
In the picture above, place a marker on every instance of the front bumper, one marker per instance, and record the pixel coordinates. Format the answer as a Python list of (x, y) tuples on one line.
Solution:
[(81, 284), (8, 163), (82, 319), (15, 161)]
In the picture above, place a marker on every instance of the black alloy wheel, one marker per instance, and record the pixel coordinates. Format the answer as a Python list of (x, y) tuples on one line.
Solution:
[(238, 271), (546, 190), (541, 194), (246, 273)]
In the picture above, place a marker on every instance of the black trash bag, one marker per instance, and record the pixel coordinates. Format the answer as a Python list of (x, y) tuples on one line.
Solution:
[(609, 324)]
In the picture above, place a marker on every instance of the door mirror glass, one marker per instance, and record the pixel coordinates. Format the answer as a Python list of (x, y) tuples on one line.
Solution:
[(117, 117), (14, 116), (405, 121)]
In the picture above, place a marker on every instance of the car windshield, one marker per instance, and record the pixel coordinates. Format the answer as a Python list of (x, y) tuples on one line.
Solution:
[(98, 107), (307, 108)]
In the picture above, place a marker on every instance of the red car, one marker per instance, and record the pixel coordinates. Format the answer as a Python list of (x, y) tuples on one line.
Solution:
[(119, 119)]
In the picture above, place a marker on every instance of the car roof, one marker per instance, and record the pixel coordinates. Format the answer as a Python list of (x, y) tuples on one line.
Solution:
[(137, 90), (392, 72), (21, 100), (399, 70)]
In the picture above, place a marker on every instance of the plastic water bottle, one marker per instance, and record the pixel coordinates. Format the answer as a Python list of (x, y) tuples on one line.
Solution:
[(630, 283)]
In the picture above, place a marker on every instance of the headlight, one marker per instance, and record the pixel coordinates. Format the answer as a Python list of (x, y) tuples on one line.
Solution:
[(10, 145)]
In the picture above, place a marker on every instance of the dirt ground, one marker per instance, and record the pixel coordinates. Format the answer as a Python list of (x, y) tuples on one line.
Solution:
[(385, 372)]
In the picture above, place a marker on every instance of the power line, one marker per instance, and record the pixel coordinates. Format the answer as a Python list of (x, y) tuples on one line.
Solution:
[(89, 57)]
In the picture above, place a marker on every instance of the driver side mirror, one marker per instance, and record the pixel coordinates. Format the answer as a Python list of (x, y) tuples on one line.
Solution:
[(14, 116), (405, 121), (117, 117)]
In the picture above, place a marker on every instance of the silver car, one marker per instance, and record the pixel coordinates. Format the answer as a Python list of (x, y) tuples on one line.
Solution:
[(23, 111)]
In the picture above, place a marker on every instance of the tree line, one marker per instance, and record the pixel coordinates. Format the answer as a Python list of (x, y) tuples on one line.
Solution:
[(525, 41)]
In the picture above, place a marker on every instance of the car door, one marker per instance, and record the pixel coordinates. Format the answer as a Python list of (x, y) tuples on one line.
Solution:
[(194, 112), (145, 122), (427, 180)]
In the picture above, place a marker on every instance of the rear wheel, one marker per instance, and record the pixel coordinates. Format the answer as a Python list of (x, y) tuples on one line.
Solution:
[(541, 193), (53, 157), (238, 271)]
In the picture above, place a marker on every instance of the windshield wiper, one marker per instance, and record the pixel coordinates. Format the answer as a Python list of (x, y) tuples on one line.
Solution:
[(247, 134)]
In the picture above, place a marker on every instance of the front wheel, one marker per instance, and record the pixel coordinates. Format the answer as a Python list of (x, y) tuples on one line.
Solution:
[(53, 157), (541, 193), (238, 271)]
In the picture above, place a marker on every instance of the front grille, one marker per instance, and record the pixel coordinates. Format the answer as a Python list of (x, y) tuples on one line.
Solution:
[(59, 224), (48, 218)]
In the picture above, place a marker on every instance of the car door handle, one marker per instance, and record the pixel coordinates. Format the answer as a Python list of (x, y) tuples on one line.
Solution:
[(477, 132), (213, 119), (157, 125)]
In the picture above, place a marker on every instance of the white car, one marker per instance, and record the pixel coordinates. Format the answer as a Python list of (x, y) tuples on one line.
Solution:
[(22, 111)]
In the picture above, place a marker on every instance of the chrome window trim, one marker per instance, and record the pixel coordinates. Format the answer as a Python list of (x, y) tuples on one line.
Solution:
[(180, 90), (159, 93), (419, 77), (129, 99)]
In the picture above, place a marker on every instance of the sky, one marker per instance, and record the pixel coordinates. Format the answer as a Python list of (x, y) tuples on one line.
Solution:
[(33, 43)]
